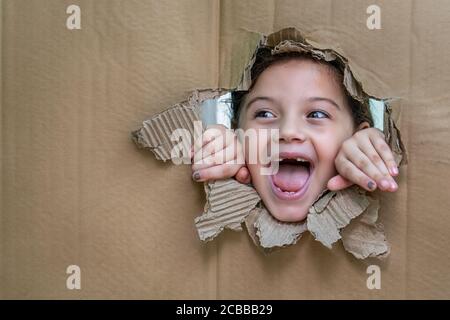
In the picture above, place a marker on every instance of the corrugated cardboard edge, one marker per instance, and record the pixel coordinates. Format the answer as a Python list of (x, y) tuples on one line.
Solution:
[(357, 226), (228, 203), (292, 40), (342, 207), (269, 233), (322, 201), (365, 237), (393, 136), (155, 132)]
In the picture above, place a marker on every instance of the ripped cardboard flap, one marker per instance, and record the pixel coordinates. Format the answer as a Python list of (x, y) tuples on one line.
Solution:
[(228, 203)]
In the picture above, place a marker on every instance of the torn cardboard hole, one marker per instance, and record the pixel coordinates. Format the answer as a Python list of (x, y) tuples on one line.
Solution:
[(348, 215), (228, 203), (156, 132)]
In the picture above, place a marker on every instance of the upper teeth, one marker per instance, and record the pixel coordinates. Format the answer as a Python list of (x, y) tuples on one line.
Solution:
[(297, 159)]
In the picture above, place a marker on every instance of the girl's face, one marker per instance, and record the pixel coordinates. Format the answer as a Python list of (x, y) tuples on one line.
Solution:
[(304, 100)]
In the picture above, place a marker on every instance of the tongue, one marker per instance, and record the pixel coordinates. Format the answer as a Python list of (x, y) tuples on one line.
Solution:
[(291, 177)]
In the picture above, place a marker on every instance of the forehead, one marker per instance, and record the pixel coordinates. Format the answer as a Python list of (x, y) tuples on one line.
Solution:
[(299, 77)]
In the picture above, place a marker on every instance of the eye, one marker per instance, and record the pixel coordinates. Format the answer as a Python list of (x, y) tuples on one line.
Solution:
[(318, 115), (264, 114)]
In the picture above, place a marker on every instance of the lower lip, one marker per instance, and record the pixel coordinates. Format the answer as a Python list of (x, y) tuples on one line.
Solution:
[(290, 195)]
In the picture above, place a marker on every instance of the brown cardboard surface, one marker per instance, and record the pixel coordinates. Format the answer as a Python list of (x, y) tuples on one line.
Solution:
[(76, 191)]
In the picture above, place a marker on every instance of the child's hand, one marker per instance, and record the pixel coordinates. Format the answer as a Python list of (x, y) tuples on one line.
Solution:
[(365, 159), (218, 154)]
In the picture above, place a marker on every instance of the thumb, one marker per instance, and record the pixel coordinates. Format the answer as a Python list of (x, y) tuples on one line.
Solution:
[(338, 183), (243, 175)]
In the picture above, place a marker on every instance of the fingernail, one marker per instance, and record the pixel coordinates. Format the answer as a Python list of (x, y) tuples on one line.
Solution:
[(394, 186), (371, 185), (385, 184), (394, 170), (196, 176)]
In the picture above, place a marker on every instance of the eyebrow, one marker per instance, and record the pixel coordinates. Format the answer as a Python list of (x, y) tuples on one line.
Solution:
[(331, 101), (260, 98), (311, 99)]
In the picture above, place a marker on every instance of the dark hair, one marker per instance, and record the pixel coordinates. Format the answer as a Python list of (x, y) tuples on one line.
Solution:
[(264, 59)]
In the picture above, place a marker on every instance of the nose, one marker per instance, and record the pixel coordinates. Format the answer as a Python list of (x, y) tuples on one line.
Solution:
[(291, 131)]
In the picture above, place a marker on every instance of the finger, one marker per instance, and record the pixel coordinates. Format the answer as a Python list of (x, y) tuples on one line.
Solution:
[(338, 183), (219, 172), (212, 141), (362, 162), (208, 150), (387, 182), (243, 176), (207, 136), (352, 173), (365, 145), (382, 148), (223, 156)]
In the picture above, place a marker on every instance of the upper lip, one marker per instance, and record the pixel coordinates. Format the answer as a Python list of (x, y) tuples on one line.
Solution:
[(293, 155)]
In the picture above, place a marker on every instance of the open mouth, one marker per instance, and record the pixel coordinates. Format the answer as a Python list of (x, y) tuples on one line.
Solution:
[(292, 179)]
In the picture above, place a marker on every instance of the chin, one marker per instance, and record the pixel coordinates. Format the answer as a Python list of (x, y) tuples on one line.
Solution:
[(286, 207), (297, 214)]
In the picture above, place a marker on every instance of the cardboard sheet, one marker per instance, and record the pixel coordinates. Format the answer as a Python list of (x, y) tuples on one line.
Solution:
[(77, 191)]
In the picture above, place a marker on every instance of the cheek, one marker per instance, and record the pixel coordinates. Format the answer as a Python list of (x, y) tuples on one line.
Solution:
[(328, 145), (257, 179), (257, 147)]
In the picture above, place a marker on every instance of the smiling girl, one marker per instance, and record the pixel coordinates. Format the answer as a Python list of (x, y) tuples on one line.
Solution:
[(322, 132)]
